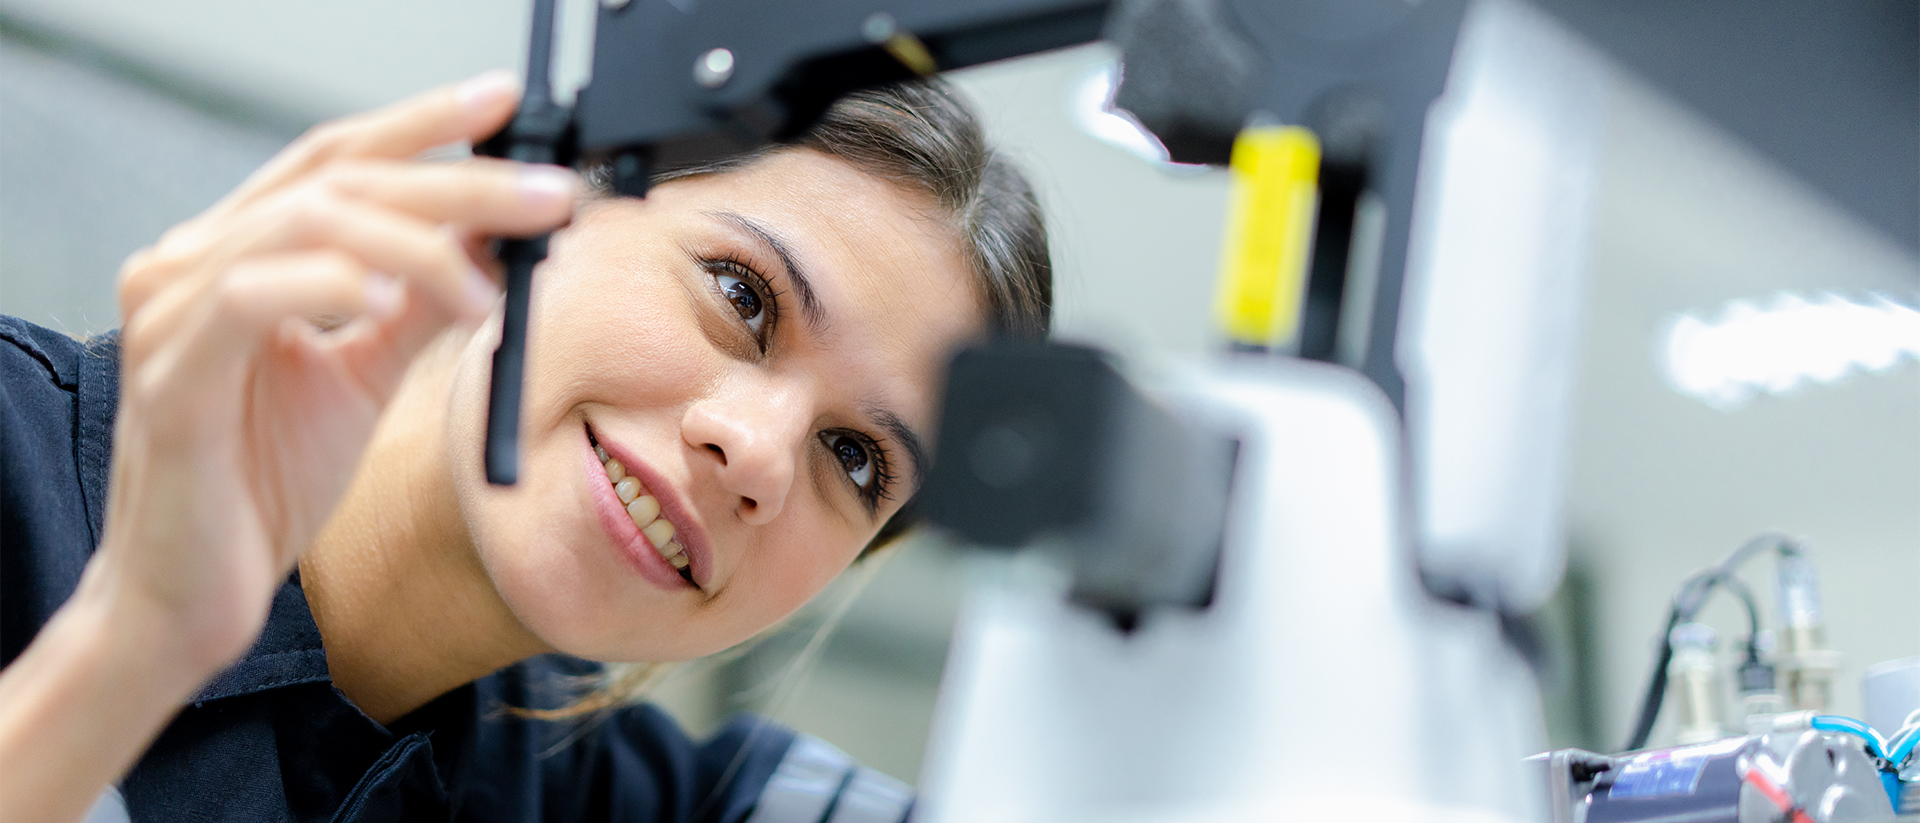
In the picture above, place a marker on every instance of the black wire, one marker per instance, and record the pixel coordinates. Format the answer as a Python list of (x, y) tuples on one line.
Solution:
[(1702, 584), (1686, 603), (1656, 689)]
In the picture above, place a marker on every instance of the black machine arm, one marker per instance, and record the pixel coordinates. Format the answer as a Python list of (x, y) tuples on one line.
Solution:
[(687, 81), (540, 132), (673, 87)]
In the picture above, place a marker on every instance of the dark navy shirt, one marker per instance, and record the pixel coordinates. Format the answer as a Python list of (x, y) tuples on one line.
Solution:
[(271, 739)]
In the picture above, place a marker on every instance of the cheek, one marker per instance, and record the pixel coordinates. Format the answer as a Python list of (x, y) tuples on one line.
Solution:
[(797, 562), (630, 339)]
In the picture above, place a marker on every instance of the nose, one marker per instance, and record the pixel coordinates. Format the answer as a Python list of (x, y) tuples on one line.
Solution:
[(754, 439)]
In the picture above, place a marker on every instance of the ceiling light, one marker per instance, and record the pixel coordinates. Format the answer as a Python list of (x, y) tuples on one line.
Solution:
[(1788, 341)]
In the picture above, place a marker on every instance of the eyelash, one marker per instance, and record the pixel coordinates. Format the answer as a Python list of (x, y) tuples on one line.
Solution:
[(880, 488), (769, 298)]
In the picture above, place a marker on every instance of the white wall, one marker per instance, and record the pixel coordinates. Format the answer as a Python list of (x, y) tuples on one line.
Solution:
[(1663, 484)]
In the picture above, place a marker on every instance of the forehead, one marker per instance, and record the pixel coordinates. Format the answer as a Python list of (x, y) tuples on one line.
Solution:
[(885, 262)]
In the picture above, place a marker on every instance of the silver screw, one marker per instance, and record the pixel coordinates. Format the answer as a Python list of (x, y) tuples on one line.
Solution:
[(615, 4), (713, 69), (879, 27)]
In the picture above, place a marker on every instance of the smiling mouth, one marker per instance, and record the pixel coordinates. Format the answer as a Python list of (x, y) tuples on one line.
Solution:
[(645, 511)]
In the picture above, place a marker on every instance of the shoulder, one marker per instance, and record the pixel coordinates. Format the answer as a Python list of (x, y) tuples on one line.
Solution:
[(57, 400), (31, 355), (639, 763)]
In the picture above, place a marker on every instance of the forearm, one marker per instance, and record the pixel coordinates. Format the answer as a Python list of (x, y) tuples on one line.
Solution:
[(82, 702)]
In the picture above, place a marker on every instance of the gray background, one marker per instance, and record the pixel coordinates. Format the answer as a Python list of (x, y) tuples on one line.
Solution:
[(119, 118)]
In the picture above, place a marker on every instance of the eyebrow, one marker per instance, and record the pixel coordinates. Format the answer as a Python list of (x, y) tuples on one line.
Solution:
[(816, 314), (810, 307), (908, 439)]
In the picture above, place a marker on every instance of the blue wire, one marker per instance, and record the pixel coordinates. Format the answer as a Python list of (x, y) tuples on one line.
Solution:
[(1848, 725), (1902, 746)]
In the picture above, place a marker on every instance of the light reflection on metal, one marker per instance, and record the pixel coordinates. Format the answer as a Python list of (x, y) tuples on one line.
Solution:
[(1091, 106)]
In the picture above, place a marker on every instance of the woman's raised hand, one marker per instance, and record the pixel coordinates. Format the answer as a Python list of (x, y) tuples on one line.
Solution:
[(241, 419), (260, 342)]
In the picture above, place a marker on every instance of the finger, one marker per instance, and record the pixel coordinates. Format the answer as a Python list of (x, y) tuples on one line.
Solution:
[(480, 247), (232, 316), (493, 196), (434, 258), (379, 352), (417, 251), (471, 111)]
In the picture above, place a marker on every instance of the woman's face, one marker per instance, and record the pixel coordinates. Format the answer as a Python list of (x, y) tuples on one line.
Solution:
[(759, 349)]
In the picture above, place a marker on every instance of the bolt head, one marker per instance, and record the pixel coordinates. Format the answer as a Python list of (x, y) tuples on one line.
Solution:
[(714, 68), (615, 4)]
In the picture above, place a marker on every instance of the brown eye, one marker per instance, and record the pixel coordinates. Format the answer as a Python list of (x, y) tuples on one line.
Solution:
[(745, 300), (853, 457)]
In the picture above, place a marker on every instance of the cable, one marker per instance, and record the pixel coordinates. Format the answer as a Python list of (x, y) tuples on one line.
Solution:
[(1848, 725), (1687, 602), (1900, 746), (1656, 688)]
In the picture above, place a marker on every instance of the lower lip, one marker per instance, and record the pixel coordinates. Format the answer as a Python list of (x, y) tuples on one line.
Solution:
[(632, 545)]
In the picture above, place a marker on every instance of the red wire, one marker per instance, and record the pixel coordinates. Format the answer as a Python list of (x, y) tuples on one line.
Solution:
[(1773, 792)]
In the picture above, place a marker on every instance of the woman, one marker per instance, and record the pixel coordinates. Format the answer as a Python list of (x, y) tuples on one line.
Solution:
[(729, 397)]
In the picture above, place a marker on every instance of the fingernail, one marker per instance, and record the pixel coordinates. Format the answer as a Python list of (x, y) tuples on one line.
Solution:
[(548, 185), (383, 296), (485, 90), (480, 293)]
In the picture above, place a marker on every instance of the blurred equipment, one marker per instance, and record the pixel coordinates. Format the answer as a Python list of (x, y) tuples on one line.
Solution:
[(1890, 691), (1794, 762), (1800, 604), (1791, 773), (1321, 645), (1054, 442), (1696, 683), (1807, 665)]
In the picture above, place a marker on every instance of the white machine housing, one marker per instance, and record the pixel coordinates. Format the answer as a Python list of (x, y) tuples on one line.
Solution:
[(1323, 681)]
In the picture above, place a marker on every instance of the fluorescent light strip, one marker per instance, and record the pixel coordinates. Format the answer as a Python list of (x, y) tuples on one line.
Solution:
[(1790, 341)]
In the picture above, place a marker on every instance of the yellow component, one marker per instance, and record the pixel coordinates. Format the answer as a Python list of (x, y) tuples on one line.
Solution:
[(1276, 172), (912, 53)]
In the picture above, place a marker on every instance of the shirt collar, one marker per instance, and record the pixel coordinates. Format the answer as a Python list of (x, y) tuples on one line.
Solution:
[(288, 651)]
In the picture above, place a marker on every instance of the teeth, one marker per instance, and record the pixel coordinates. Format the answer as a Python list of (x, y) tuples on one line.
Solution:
[(628, 489), (643, 509), (658, 532)]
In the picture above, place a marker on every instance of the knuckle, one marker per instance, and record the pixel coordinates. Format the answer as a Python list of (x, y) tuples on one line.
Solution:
[(148, 387), (306, 210), (335, 263), (337, 177), (228, 298), (322, 139), (448, 251), (137, 273), (137, 337)]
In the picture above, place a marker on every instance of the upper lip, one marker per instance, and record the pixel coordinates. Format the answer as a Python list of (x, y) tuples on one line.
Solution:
[(673, 507)]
